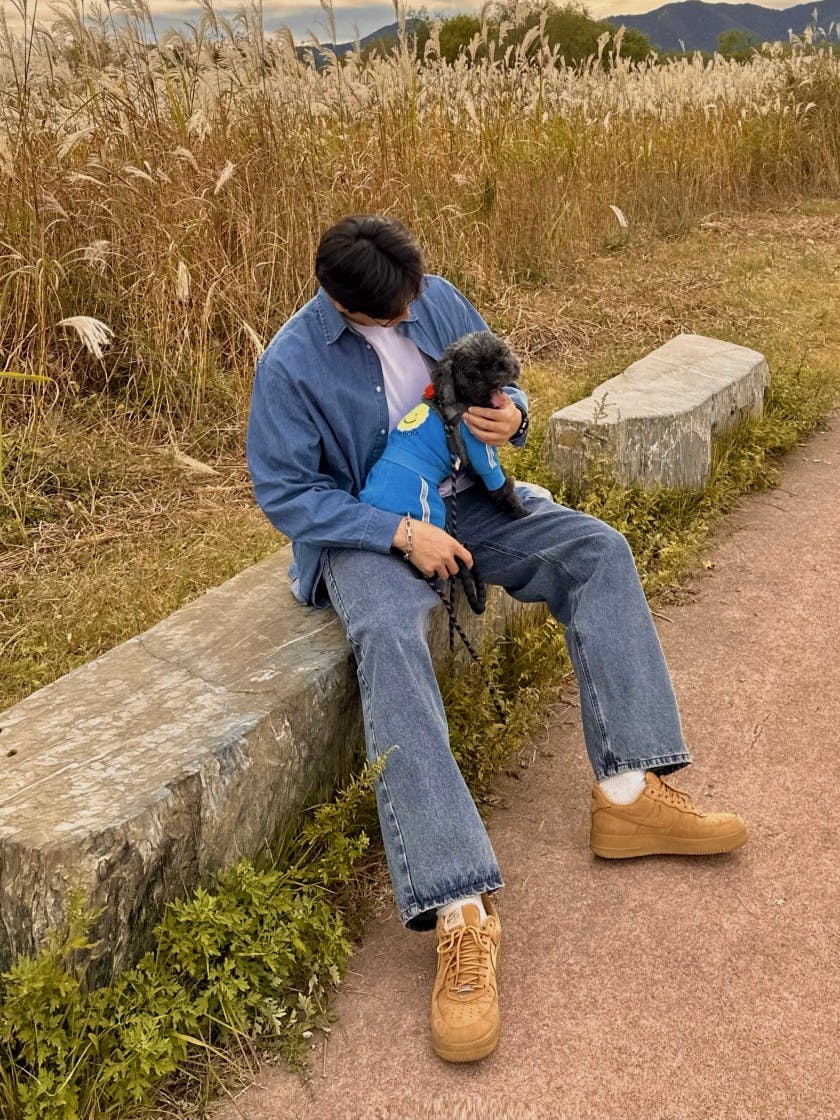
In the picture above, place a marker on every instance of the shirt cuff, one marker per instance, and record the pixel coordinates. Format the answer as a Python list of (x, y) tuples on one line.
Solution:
[(380, 530)]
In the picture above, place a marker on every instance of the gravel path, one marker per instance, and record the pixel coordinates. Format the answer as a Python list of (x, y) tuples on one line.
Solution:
[(665, 988)]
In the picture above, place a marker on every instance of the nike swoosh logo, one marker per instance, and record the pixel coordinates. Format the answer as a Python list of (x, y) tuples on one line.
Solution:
[(656, 816)]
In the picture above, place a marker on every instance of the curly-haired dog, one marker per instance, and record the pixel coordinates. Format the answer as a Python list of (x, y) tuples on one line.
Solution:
[(417, 457)]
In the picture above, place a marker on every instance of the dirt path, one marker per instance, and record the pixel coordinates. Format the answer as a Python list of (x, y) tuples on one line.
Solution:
[(661, 988)]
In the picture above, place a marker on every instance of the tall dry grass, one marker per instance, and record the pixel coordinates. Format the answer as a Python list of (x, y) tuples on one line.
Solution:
[(174, 188)]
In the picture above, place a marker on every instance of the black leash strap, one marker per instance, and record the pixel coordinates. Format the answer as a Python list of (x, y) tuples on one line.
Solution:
[(454, 625), (469, 578)]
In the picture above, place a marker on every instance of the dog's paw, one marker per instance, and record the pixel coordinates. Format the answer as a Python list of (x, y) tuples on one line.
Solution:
[(514, 508)]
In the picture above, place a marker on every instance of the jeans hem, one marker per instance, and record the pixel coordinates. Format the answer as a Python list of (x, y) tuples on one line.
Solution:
[(421, 917), (661, 764)]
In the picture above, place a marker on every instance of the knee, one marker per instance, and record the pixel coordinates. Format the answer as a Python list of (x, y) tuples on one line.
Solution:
[(379, 603), (611, 548), (394, 628), (597, 548), (610, 542)]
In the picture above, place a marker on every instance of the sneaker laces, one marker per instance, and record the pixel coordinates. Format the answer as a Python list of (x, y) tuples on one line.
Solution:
[(674, 796), (469, 964)]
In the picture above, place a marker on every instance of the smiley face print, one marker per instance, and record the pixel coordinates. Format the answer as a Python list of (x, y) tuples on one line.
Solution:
[(414, 419)]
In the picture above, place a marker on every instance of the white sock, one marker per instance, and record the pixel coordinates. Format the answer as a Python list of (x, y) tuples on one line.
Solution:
[(625, 787), (455, 907)]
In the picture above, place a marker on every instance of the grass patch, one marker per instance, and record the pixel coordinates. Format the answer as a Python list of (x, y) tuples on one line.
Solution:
[(111, 532)]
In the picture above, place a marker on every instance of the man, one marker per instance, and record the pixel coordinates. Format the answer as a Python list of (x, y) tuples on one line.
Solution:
[(333, 382)]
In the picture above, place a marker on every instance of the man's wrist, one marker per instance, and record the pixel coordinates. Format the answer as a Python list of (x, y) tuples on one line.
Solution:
[(409, 543), (403, 541), (522, 430)]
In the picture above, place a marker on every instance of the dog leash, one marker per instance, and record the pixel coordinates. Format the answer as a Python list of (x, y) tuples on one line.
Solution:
[(469, 578)]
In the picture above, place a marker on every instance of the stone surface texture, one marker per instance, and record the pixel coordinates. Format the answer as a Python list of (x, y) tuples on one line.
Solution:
[(654, 424), (176, 753)]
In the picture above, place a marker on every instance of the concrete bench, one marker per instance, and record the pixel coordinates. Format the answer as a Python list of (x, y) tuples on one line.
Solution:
[(654, 423), (176, 753)]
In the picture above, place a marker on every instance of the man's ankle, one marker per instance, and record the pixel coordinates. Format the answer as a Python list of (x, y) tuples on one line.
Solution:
[(623, 788), (453, 911)]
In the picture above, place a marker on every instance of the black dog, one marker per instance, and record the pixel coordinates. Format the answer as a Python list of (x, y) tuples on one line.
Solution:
[(419, 452), (473, 371)]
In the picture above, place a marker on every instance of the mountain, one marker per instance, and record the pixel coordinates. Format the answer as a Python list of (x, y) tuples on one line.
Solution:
[(387, 35), (693, 23), (697, 24)]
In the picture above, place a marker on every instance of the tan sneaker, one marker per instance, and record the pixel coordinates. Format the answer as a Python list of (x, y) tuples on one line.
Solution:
[(661, 821), (465, 1000)]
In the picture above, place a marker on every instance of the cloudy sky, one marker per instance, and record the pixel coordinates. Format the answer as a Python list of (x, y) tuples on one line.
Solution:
[(358, 15), (352, 16)]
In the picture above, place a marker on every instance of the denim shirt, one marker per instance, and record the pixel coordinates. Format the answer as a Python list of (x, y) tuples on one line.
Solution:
[(319, 421)]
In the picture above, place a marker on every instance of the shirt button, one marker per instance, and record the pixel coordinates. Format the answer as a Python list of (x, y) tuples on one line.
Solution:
[(382, 431), (379, 388), (368, 346)]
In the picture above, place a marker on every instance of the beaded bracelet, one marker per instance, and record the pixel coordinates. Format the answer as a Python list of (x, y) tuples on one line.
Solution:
[(408, 541)]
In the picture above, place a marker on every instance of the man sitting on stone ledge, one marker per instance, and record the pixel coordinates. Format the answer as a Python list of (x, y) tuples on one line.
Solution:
[(332, 383)]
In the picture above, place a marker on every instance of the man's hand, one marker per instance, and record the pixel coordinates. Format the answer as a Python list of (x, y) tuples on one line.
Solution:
[(494, 425), (433, 552)]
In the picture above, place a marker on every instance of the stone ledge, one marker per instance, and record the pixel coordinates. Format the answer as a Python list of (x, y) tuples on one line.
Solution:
[(174, 754), (656, 421)]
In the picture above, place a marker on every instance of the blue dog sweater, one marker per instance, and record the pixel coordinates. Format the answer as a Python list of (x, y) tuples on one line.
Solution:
[(416, 460)]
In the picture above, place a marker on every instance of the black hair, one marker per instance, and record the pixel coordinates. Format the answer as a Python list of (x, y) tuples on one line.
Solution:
[(370, 264)]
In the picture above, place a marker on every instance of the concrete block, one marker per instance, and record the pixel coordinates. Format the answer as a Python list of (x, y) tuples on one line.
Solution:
[(176, 753), (655, 422)]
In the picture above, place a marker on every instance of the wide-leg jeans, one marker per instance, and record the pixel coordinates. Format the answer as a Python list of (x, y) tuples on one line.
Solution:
[(435, 841)]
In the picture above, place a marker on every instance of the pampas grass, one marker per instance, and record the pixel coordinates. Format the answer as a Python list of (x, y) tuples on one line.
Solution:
[(174, 188)]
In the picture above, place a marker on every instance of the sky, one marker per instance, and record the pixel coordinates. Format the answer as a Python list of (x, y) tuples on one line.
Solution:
[(352, 16)]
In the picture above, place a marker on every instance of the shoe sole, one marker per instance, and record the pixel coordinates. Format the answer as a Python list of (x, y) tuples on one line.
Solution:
[(468, 1052), (625, 847)]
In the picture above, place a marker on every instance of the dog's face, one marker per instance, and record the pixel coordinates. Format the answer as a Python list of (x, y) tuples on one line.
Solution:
[(472, 369)]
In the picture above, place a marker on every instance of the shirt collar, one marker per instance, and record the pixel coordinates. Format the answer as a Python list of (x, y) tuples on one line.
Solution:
[(332, 321)]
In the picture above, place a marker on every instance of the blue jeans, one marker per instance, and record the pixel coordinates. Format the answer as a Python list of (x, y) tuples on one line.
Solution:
[(435, 841)]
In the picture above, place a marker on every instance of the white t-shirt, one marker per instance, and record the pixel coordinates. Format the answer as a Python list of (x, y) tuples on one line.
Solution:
[(404, 369), (406, 375)]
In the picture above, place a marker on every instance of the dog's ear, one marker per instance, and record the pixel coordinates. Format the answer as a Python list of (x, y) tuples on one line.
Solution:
[(444, 384)]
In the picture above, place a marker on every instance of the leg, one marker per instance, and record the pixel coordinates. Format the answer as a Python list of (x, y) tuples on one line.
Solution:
[(584, 570), (435, 842)]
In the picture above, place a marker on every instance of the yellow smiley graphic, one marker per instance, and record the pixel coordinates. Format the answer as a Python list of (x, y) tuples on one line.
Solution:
[(414, 418)]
